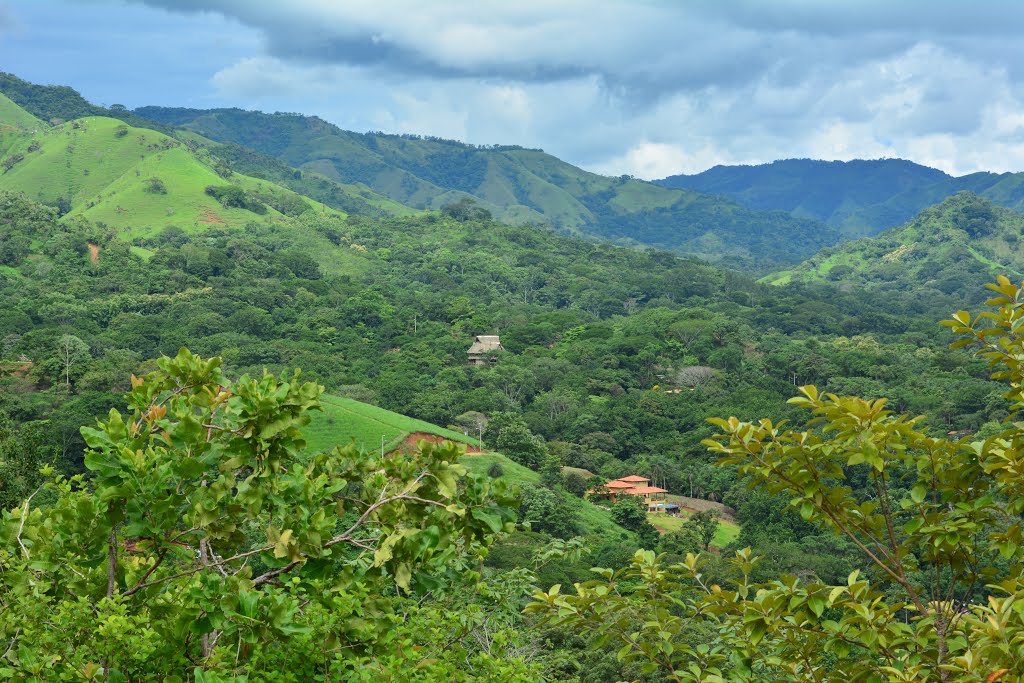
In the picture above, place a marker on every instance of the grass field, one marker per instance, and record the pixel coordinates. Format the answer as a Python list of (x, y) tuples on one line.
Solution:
[(105, 170), (344, 420), (103, 167), (727, 531)]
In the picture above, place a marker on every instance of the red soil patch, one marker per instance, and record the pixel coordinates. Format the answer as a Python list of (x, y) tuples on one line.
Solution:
[(208, 216), (94, 252), (410, 442), (18, 369)]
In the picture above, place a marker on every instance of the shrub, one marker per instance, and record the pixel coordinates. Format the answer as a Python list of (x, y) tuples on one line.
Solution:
[(232, 196)]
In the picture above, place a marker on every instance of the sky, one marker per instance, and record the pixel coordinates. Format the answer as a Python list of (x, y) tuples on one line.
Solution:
[(640, 87)]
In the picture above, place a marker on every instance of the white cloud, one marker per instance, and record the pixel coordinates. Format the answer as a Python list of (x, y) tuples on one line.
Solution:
[(647, 89)]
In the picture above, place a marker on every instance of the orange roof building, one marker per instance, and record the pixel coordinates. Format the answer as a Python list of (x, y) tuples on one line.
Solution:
[(644, 491), (633, 485)]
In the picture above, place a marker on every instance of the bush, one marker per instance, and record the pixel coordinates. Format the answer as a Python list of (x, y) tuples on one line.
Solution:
[(232, 196), (156, 186), (576, 484), (495, 470)]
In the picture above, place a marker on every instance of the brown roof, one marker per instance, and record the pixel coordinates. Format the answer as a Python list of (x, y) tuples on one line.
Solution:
[(644, 490), (486, 343), (633, 478), (618, 485)]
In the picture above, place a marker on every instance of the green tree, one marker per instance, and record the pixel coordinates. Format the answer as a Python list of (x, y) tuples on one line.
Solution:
[(205, 539), (520, 444), (704, 525), (551, 471), (549, 512), (938, 524), (631, 513)]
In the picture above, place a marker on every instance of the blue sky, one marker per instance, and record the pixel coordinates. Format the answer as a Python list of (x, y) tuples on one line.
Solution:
[(641, 87)]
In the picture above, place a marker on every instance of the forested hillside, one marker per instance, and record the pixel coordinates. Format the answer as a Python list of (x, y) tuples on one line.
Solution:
[(858, 197), (516, 185), (178, 500), (946, 253)]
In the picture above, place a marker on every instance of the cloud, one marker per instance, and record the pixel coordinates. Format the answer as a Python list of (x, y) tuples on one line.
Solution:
[(639, 87), (641, 48)]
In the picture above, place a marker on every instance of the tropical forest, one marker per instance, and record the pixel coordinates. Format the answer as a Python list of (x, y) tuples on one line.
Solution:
[(281, 401)]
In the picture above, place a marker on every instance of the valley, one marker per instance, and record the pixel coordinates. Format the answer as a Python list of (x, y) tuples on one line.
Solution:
[(237, 402)]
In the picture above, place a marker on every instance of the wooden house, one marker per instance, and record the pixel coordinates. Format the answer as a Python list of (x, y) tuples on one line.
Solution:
[(484, 349)]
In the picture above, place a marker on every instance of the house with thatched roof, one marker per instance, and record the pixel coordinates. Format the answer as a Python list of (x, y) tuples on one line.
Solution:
[(484, 347)]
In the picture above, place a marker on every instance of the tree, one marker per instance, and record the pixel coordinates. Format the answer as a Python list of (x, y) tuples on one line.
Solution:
[(575, 483), (704, 524), (631, 514), (155, 185), (695, 376), (207, 539), (71, 350), (940, 528), (551, 471), (520, 444), (466, 209), (549, 512)]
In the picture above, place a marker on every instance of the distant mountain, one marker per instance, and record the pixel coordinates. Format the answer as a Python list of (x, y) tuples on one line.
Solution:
[(952, 249), (516, 185), (389, 175), (856, 197)]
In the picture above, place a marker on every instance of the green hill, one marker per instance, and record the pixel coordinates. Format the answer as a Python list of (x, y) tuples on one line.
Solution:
[(15, 124), (859, 197), (952, 249), (516, 185), (137, 180), (344, 420)]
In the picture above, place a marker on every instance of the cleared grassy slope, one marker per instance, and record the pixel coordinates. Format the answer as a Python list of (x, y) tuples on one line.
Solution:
[(955, 246), (103, 168), (726, 533), (344, 420), (15, 124)]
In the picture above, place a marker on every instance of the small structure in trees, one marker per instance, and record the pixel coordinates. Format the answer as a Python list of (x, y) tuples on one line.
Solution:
[(484, 349)]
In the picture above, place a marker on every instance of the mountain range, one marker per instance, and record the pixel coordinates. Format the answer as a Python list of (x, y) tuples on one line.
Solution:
[(857, 198), (146, 169), (517, 185)]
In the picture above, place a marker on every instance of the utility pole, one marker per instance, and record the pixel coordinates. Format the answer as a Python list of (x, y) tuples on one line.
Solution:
[(381, 446), (480, 436)]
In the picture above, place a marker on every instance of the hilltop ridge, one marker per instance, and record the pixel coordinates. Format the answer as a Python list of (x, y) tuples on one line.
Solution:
[(858, 197)]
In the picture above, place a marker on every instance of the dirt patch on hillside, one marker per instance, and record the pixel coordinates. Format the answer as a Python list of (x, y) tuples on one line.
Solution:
[(409, 443), (210, 217), (94, 252)]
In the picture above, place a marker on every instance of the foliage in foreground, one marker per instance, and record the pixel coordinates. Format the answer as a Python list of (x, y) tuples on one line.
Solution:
[(943, 599), (205, 543)]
